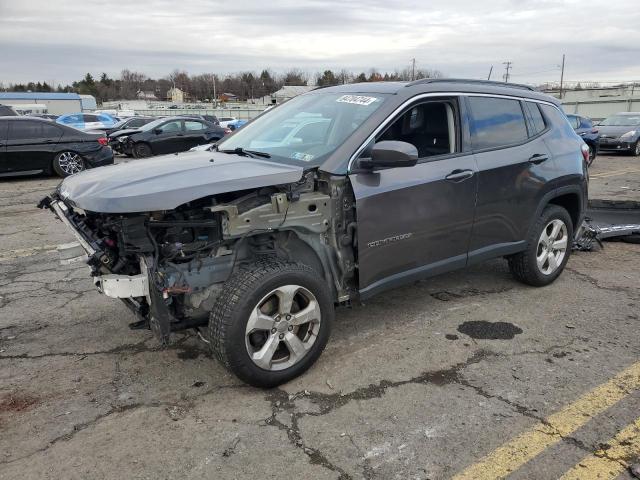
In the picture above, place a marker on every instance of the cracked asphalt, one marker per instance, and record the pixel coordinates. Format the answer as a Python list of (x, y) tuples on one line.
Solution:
[(422, 382)]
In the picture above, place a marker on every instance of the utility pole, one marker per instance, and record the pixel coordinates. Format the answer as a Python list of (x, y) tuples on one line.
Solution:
[(413, 69), (562, 76), (507, 66), (490, 72)]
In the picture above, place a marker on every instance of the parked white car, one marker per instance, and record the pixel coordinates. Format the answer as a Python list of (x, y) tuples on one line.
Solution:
[(225, 121)]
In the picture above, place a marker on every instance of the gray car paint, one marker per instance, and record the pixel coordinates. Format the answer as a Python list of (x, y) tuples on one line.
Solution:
[(168, 181)]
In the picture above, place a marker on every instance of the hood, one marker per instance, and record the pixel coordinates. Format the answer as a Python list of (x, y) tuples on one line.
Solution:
[(167, 181), (126, 131), (615, 131)]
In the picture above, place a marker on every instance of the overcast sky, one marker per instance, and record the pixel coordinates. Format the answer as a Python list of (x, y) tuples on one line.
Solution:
[(61, 40)]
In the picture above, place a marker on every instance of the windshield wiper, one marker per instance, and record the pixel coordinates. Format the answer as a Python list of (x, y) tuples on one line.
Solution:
[(247, 153)]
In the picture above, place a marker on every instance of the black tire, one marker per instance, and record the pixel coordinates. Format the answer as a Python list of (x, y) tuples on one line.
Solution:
[(524, 266), (68, 163), (142, 150), (636, 149), (240, 295)]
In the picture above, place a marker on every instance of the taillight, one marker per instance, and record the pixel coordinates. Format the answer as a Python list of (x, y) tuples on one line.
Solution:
[(595, 130), (227, 130), (585, 152), (103, 141)]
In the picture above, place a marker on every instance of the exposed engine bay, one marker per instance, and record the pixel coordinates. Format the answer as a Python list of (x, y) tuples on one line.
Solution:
[(169, 266)]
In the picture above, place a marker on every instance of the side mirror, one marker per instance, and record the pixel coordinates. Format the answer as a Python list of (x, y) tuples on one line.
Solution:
[(157, 131), (391, 153)]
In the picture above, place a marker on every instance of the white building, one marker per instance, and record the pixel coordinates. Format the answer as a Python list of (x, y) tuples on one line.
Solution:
[(56, 103)]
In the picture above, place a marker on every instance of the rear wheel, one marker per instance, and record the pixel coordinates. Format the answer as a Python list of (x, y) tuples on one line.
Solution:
[(142, 150), (548, 249), (68, 163), (271, 321)]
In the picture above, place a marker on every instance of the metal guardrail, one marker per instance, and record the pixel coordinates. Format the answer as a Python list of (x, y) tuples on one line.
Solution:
[(238, 113), (602, 108)]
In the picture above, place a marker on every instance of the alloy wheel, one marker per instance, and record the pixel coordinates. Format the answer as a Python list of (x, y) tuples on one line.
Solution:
[(552, 246), (70, 163), (282, 327)]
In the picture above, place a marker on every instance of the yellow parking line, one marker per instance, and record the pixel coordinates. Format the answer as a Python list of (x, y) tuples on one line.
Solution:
[(614, 173), (609, 463), (518, 451)]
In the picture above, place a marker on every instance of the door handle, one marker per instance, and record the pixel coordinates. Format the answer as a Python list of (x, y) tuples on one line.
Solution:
[(538, 158), (459, 175)]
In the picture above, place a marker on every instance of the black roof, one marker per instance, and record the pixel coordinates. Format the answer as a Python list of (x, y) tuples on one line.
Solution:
[(440, 85)]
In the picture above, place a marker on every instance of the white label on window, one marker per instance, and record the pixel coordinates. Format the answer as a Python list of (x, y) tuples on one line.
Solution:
[(356, 99)]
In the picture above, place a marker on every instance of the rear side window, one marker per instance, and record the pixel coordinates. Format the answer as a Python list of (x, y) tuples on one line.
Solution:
[(496, 122), (534, 118), (32, 130), (193, 126)]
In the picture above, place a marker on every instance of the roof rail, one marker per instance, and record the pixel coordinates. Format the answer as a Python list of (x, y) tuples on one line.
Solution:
[(465, 80)]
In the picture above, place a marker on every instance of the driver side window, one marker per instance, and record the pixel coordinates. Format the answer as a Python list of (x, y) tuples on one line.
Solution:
[(429, 126), (170, 127)]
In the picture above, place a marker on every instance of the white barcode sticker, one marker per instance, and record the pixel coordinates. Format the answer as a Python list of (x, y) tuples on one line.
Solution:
[(356, 99)]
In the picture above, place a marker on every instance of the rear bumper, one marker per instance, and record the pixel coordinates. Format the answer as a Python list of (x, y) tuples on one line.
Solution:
[(103, 156)]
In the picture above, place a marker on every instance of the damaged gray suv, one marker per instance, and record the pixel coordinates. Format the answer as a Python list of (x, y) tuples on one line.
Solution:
[(332, 197)]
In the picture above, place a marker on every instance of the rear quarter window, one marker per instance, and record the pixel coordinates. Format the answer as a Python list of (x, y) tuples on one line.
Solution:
[(558, 119), (535, 118), (496, 122)]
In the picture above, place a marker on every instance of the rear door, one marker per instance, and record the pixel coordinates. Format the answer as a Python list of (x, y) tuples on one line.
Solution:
[(194, 133), (31, 145), (3, 146), (514, 164), (416, 221)]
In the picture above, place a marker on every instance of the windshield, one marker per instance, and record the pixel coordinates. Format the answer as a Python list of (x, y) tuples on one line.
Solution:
[(306, 129), (622, 121)]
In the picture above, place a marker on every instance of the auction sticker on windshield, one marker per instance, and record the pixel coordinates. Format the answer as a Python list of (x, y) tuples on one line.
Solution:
[(356, 99)]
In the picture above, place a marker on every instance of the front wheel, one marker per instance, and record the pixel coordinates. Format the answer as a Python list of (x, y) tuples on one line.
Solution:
[(68, 163), (142, 150), (271, 321), (636, 149), (548, 249)]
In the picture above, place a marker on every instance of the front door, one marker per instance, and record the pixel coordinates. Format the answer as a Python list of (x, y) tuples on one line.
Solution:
[(4, 167), (31, 145), (416, 221), (168, 138)]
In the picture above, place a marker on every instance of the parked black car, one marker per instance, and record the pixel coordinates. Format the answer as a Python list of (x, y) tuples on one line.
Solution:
[(32, 145), (583, 126), (169, 135), (620, 133), (336, 195)]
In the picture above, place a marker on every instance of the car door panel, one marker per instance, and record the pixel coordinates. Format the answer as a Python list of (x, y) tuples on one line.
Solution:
[(413, 221), (31, 152), (170, 139), (511, 182), (4, 167)]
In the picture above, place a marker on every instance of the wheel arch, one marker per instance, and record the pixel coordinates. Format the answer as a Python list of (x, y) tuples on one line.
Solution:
[(570, 197)]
